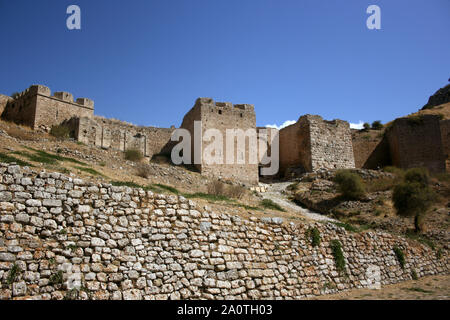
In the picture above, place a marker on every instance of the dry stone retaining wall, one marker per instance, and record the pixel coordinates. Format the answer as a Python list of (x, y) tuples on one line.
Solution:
[(124, 243)]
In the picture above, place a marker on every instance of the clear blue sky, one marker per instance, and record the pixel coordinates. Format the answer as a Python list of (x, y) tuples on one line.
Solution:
[(146, 61)]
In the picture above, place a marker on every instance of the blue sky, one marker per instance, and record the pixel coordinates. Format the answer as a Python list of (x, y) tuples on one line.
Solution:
[(146, 61)]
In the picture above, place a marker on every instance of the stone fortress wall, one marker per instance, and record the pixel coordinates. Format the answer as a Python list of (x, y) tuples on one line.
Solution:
[(37, 108), (123, 243), (313, 143), (308, 145), (223, 116), (118, 135), (416, 142)]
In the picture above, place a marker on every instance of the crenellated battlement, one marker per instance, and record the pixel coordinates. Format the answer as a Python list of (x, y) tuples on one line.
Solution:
[(209, 102), (41, 90)]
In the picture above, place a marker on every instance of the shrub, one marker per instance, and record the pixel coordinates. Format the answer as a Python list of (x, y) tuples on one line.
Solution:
[(236, 192), (414, 275), (56, 278), (338, 255), (314, 235), (366, 126), (419, 175), (144, 170), (133, 155), (412, 198), (60, 132), (269, 204), (216, 188), (13, 273), (349, 184), (377, 125), (400, 256)]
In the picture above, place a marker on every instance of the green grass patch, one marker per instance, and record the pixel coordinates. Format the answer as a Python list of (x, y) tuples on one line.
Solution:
[(167, 188), (346, 226), (5, 158), (417, 289), (269, 204), (420, 238), (47, 155), (90, 171)]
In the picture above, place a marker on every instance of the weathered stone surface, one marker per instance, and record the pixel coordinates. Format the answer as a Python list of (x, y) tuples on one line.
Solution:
[(132, 250)]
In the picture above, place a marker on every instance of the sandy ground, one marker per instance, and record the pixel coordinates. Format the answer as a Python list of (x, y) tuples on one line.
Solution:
[(426, 288)]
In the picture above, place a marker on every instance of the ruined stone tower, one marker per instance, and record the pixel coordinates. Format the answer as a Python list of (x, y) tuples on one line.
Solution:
[(36, 107), (223, 116), (313, 143)]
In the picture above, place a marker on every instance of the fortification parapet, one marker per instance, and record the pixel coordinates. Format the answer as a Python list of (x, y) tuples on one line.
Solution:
[(246, 107), (86, 102), (65, 96), (38, 89)]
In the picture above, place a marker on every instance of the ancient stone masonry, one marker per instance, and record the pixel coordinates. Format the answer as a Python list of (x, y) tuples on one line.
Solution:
[(37, 108), (4, 100), (62, 237), (416, 142), (118, 135), (313, 143), (371, 152), (445, 136), (223, 116)]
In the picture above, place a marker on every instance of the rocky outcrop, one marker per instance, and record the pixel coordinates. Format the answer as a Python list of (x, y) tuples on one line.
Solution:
[(62, 237), (440, 97)]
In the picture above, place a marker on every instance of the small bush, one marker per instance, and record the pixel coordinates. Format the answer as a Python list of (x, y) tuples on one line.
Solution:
[(350, 185), (400, 256), (144, 170), (216, 188), (419, 175), (13, 273), (366, 126), (133, 155), (398, 172), (269, 204), (412, 198), (314, 236), (236, 192), (338, 255), (377, 125), (414, 275), (60, 132), (56, 278)]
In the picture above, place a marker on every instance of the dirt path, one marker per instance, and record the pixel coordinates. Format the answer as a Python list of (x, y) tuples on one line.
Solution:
[(277, 193), (426, 288)]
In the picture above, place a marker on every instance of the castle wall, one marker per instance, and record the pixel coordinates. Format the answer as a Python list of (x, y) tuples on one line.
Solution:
[(36, 107), (4, 100), (123, 243), (313, 143), (294, 145), (416, 142), (445, 136), (107, 133), (223, 116), (371, 151)]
